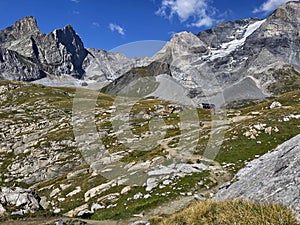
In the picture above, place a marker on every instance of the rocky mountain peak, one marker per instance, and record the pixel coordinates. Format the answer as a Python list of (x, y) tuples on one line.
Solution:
[(183, 43), (73, 44), (26, 25), (68, 29), (21, 28), (284, 12)]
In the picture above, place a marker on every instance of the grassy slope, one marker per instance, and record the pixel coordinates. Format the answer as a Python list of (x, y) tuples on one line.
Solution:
[(236, 149)]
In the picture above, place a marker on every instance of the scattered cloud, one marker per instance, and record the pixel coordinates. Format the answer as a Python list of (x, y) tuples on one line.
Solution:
[(76, 12), (204, 22), (96, 24), (269, 6), (197, 11), (75, 1), (118, 28)]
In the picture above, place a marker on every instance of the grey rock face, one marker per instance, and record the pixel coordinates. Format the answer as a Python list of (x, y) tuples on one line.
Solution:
[(32, 54), (274, 177), (14, 66), (279, 34), (103, 66), (27, 54), (225, 32)]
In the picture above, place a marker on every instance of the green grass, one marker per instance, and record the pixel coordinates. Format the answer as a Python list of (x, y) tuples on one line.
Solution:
[(244, 149), (140, 155), (236, 151), (126, 208)]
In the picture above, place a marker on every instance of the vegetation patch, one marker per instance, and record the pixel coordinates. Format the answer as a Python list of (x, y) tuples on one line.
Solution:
[(230, 212)]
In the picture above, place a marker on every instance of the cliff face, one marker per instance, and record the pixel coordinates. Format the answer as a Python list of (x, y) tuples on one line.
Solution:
[(27, 54)]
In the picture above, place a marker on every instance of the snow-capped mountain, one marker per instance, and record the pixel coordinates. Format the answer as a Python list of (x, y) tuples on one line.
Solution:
[(248, 58)]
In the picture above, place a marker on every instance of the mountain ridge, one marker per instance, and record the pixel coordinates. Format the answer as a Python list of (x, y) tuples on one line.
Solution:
[(210, 65), (252, 48)]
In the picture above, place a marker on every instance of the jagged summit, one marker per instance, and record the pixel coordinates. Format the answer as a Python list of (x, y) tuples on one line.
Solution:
[(28, 24), (28, 54), (24, 27), (32, 55)]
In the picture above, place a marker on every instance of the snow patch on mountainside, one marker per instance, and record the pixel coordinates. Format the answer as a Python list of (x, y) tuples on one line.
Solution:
[(227, 48)]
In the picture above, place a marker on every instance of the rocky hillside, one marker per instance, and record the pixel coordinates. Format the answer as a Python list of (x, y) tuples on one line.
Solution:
[(50, 154), (140, 147)]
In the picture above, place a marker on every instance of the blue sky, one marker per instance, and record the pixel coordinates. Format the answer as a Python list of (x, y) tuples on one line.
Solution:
[(106, 24)]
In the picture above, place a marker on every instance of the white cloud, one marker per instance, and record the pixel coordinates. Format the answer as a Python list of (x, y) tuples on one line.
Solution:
[(204, 22), (196, 10), (115, 27), (96, 24), (269, 6), (76, 12), (75, 1)]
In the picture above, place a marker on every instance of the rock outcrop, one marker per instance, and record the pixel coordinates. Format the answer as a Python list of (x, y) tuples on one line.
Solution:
[(271, 178), (18, 201)]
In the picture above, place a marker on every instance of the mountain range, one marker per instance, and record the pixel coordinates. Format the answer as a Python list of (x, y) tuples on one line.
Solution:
[(243, 59), (78, 146)]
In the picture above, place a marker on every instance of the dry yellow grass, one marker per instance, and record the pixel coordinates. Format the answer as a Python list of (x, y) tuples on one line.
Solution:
[(235, 212)]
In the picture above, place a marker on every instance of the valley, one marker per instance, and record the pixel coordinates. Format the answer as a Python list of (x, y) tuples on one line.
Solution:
[(207, 129)]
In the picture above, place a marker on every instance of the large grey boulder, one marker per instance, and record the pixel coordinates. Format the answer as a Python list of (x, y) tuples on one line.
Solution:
[(24, 200), (274, 177)]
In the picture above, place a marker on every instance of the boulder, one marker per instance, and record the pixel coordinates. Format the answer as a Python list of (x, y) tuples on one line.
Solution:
[(275, 105), (22, 200)]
